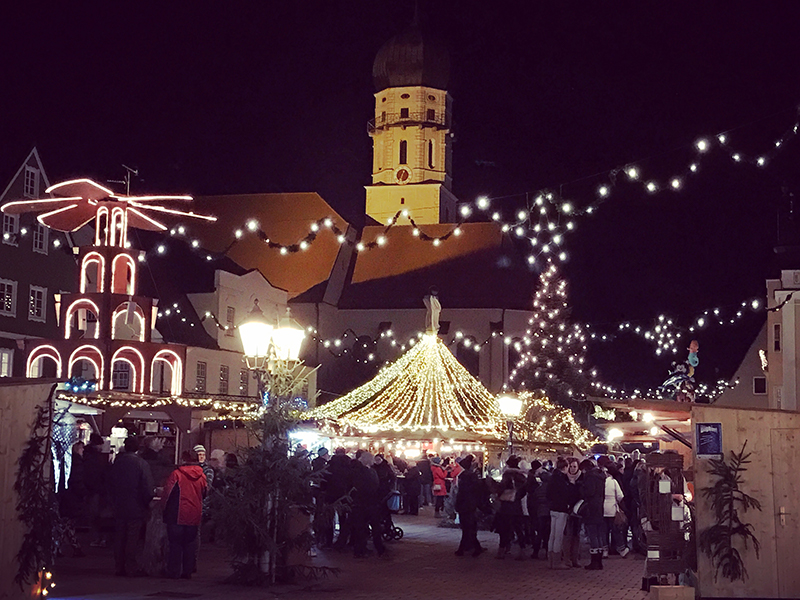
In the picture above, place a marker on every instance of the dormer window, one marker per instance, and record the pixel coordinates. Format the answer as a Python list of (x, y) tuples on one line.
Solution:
[(31, 186)]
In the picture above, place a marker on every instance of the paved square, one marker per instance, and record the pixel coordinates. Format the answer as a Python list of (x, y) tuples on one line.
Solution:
[(420, 566)]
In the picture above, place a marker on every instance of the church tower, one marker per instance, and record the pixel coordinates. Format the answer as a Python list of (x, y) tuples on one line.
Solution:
[(412, 146)]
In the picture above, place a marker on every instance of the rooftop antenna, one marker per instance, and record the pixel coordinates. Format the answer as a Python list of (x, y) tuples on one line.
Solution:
[(127, 179)]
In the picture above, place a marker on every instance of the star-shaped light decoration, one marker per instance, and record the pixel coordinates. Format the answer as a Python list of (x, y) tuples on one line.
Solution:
[(77, 202)]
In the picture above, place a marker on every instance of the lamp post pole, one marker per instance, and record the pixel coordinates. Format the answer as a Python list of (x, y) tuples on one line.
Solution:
[(273, 353)]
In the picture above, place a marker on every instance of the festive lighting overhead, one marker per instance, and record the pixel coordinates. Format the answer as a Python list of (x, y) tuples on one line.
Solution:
[(426, 389)]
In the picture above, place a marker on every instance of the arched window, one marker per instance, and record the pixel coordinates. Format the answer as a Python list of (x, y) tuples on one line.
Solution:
[(101, 225), (117, 230), (403, 152), (93, 273), (166, 373), (127, 370), (430, 154), (81, 311), (87, 362), (128, 322), (123, 275), (41, 360)]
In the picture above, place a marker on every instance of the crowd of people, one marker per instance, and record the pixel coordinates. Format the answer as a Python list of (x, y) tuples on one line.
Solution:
[(538, 508), (141, 499), (546, 506)]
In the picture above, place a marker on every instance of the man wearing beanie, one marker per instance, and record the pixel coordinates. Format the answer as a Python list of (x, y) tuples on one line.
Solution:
[(208, 471)]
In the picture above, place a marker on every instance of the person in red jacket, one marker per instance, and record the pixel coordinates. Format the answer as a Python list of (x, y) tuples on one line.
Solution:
[(183, 496), (439, 487)]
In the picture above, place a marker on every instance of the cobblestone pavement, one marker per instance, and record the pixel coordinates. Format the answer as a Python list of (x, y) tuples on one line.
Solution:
[(420, 566)]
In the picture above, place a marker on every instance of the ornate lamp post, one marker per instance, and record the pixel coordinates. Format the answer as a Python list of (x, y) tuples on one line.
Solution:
[(272, 353), (510, 407)]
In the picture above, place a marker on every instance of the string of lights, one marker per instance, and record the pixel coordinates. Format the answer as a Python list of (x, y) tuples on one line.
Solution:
[(425, 389)]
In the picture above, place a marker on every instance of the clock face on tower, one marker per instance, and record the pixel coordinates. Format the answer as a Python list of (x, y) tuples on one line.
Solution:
[(402, 175)]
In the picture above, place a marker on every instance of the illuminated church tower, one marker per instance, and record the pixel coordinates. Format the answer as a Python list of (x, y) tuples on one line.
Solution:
[(412, 145)]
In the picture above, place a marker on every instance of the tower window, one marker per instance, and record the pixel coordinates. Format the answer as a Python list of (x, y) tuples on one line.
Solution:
[(383, 99), (776, 340), (431, 114), (403, 113), (403, 152), (405, 96), (402, 200), (430, 154), (383, 116)]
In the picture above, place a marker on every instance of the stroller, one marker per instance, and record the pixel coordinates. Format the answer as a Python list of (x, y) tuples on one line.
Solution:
[(388, 529)]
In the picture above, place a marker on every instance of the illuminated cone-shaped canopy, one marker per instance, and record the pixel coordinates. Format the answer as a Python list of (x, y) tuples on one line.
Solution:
[(426, 391), (542, 421)]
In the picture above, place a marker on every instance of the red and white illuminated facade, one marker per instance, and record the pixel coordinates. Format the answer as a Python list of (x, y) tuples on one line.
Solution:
[(106, 325)]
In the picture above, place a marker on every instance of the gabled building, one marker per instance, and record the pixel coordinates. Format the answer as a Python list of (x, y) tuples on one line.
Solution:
[(36, 265)]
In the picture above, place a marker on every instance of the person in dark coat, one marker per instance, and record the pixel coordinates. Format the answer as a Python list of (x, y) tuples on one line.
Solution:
[(160, 466), (469, 497), (424, 466), (593, 491), (131, 492), (558, 496), (96, 467), (538, 507), (338, 485), (366, 512), (183, 496), (323, 514), (510, 518), (412, 488)]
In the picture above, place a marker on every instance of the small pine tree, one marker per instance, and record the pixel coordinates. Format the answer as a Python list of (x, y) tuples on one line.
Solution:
[(552, 355)]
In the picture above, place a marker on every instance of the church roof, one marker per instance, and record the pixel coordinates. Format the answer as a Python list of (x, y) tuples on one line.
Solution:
[(410, 58), (285, 219), (481, 268)]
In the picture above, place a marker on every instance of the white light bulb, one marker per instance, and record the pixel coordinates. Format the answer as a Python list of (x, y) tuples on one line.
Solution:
[(415, 231), (652, 187), (531, 259), (195, 243), (562, 257), (755, 304), (381, 239), (702, 145), (314, 227), (328, 222), (437, 241), (539, 200), (519, 231), (496, 216), (465, 211), (546, 248), (252, 224), (237, 234), (534, 241), (761, 161), (161, 249), (737, 157), (457, 231), (602, 191), (722, 138), (522, 215), (632, 173), (675, 183), (483, 203), (566, 208), (303, 245), (557, 238), (340, 238), (284, 250)]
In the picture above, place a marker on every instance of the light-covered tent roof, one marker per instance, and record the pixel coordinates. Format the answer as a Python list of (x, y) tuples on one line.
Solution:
[(426, 391)]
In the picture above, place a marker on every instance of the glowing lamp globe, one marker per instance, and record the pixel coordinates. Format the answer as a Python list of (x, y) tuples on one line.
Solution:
[(287, 339), (509, 406), (256, 334)]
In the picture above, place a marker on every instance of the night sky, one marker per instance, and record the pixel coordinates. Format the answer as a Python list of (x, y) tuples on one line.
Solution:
[(225, 98)]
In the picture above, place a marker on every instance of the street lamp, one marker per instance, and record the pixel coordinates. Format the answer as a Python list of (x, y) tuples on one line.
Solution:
[(272, 353), (510, 407)]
